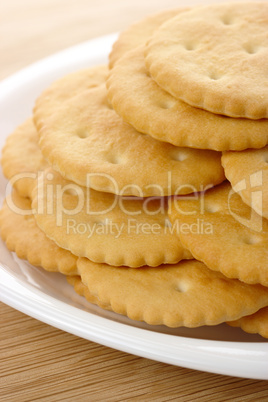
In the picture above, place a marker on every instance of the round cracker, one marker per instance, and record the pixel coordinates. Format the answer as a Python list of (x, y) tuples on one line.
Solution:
[(139, 32), (22, 235), (65, 88), (104, 227), (248, 173), (186, 294), (83, 290), (88, 143), (22, 159), (256, 323), (216, 58), (153, 111), (224, 233)]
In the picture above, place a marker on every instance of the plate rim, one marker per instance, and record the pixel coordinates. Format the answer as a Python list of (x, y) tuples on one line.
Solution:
[(138, 341)]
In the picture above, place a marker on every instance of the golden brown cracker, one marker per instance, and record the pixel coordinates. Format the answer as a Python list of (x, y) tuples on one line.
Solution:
[(139, 32), (83, 290), (151, 110), (256, 323), (22, 235), (215, 57), (185, 294), (224, 233), (22, 159), (66, 88), (104, 227), (88, 143)]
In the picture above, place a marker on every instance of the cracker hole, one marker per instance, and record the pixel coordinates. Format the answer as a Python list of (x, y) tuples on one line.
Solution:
[(82, 133), (182, 287), (190, 46), (212, 208), (214, 76), (250, 48), (113, 159), (251, 240), (227, 20), (167, 104), (178, 156)]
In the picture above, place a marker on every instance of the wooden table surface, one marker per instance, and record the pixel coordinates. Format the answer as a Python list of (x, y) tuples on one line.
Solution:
[(39, 362)]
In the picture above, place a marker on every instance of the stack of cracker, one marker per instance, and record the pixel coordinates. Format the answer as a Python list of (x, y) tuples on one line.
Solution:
[(119, 178)]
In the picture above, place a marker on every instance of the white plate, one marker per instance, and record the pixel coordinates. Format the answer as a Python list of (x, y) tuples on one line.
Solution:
[(49, 298)]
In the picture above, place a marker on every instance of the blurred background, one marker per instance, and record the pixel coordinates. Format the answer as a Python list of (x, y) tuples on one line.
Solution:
[(33, 29)]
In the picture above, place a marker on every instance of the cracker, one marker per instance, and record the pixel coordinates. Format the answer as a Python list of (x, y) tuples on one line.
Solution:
[(66, 88), (83, 290), (22, 158), (139, 32), (151, 110), (248, 173), (88, 143), (22, 235), (254, 324), (186, 294), (224, 233), (104, 227), (215, 57)]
